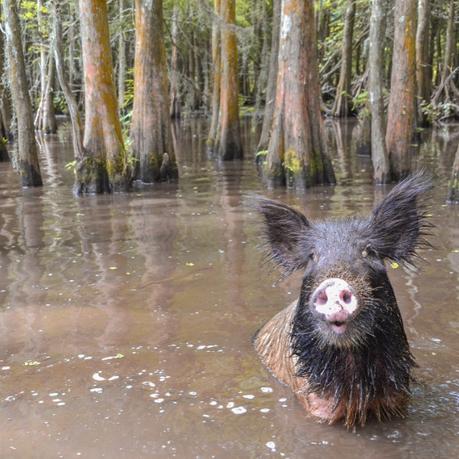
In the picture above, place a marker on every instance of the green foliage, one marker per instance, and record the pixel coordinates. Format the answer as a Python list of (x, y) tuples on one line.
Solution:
[(71, 166)]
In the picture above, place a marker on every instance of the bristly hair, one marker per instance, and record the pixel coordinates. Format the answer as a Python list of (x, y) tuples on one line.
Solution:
[(399, 223), (285, 235), (362, 379)]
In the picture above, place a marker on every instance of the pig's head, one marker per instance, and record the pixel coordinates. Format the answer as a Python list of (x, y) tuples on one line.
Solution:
[(347, 322)]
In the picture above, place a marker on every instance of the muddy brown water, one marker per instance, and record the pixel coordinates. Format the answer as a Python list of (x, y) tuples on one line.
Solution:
[(126, 321)]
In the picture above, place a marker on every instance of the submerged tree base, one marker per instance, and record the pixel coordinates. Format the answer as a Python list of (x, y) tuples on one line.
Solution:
[(4, 157), (91, 177), (453, 190), (294, 174), (30, 175), (153, 169)]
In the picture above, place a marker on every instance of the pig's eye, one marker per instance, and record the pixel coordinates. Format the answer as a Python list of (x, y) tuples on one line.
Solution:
[(367, 251)]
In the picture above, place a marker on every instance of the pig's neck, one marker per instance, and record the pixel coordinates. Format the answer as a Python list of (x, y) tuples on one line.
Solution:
[(359, 379)]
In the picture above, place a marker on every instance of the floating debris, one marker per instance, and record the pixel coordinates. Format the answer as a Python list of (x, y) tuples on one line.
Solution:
[(96, 390), (111, 357), (266, 390), (239, 410), (97, 377)]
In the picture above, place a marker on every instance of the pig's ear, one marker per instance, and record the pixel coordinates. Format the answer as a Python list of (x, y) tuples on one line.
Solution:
[(399, 223), (286, 235)]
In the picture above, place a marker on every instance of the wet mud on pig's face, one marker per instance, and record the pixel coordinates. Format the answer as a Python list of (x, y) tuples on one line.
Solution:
[(345, 286)]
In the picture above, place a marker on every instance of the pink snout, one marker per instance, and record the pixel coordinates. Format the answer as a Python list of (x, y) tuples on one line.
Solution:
[(335, 300)]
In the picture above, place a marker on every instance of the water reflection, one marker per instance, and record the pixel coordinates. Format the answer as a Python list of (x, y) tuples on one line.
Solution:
[(126, 320)]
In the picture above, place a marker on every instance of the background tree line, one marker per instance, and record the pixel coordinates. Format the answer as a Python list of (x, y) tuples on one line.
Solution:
[(123, 69)]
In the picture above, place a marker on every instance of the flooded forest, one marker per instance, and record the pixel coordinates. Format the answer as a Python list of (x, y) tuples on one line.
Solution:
[(137, 140)]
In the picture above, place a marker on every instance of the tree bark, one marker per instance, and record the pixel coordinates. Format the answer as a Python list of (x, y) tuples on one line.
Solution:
[(175, 95), (375, 88), (216, 75), (343, 101), (453, 188), (297, 153), (151, 126), (121, 58), (49, 124), (72, 105), (442, 93), (104, 167), (401, 111), (26, 160), (229, 136), (423, 64), (272, 79), (5, 117)]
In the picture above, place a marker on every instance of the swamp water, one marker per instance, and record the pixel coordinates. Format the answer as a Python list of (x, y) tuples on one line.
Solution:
[(126, 320)]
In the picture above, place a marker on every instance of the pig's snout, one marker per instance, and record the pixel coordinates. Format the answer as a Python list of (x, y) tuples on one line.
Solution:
[(335, 300)]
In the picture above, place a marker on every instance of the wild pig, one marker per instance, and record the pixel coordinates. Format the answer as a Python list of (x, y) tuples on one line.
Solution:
[(341, 346)]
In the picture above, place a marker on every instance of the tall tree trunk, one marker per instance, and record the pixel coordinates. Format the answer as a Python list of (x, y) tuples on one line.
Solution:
[(26, 160), (5, 118), (442, 93), (121, 57), (216, 75), (72, 105), (423, 65), (272, 78), (297, 153), (151, 127), (343, 100), (72, 70), (49, 124), (229, 136), (175, 101), (375, 89), (401, 112), (43, 66), (104, 167), (261, 64), (453, 188)]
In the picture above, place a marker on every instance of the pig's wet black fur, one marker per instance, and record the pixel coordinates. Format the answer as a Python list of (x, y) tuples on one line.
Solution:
[(374, 362), (371, 361)]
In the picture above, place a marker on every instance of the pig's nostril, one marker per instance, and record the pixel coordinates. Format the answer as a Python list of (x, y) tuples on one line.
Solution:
[(345, 296), (322, 297)]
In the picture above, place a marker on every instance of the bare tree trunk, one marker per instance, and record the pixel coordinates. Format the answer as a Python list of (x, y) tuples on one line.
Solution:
[(43, 66), (453, 188), (423, 64), (297, 153), (343, 101), (229, 135), (442, 93), (261, 65), (175, 101), (401, 116), (5, 118), (57, 49), (72, 70), (105, 166), (26, 160), (151, 126), (272, 78), (375, 89), (48, 122), (121, 58), (216, 75)]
